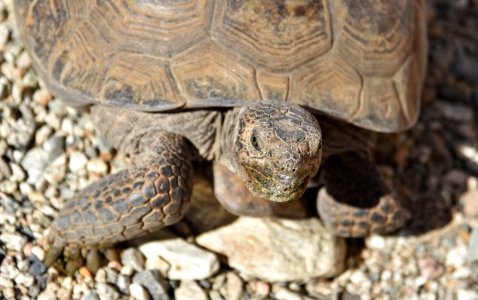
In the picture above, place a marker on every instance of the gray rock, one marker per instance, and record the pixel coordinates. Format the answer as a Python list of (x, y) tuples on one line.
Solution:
[(5, 170), (472, 253), (190, 290), (111, 275), (123, 283), (185, 261), (154, 283), (106, 291), (455, 111), (54, 147), (133, 258), (91, 295), (278, 249)]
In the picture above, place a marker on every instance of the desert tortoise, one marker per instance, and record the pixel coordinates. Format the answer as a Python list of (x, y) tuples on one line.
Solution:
[(267, 90)]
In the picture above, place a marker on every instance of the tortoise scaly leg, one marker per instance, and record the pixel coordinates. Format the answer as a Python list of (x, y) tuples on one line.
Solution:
[(152, 194), (355, 200)]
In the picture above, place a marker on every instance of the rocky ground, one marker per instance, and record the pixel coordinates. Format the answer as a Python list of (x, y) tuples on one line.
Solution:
[(48, 151)]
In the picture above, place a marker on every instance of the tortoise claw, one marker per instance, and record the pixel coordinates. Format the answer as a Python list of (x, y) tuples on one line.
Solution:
[(55, 251), (52, 256)]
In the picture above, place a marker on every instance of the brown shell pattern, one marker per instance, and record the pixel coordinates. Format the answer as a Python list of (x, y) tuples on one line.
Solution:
[(359, 61)]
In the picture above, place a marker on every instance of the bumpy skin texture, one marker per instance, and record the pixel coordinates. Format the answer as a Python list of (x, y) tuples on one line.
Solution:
[(354, 200), (275, 147), (140, 199), (153, 193), (359, 203)]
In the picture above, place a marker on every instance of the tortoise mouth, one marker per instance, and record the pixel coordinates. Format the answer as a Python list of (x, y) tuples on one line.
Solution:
[(266, 186)]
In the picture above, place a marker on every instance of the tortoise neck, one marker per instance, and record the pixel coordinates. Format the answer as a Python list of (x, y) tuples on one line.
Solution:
[(226, 141)]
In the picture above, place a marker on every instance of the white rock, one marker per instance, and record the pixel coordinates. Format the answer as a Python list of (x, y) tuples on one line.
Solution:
[(190, 290), (375, 242), (467, 295), (234, 286), (278, 249), (281, 293), (35, 162), (38, 252), (186, 261), (13, 241), (138, 292), (97, 166), (77, 161), (456, 257)]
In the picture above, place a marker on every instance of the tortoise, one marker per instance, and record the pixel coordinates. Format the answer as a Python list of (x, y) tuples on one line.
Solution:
[(269, 91)]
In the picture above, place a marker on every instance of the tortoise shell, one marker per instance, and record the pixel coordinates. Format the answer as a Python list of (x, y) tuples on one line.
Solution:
[(359, 61)]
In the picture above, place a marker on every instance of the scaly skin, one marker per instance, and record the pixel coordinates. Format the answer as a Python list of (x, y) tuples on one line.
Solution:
[(355, 201), (274, 147), (144, 198)]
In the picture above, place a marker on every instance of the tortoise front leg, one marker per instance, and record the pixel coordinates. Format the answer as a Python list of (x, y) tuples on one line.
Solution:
[(152, 194), (355, 200)]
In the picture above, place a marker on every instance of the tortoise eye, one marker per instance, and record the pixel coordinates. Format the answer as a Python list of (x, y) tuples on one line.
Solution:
[(255, 142)]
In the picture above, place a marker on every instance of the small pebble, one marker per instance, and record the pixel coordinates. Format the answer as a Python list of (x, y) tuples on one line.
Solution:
[(123, 283), (138, 292), (281, 293), (90, 295), (38, 252), (106, 291), (153, 282), (133, 258), (35, 162), (190, 290), (77, 161), (469, 201), (234, 286), (85, 272), (472, 252), (97, 166)]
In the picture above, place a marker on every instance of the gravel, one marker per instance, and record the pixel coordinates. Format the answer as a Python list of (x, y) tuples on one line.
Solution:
[(48, 151)]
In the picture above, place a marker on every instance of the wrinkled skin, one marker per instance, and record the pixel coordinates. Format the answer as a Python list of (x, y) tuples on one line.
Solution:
[(276, 149)]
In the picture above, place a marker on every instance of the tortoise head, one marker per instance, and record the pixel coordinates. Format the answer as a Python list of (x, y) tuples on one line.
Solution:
[(277, 149)]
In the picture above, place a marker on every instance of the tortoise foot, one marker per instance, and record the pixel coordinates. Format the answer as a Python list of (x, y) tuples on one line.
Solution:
[(350, 221), (355, 201)]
